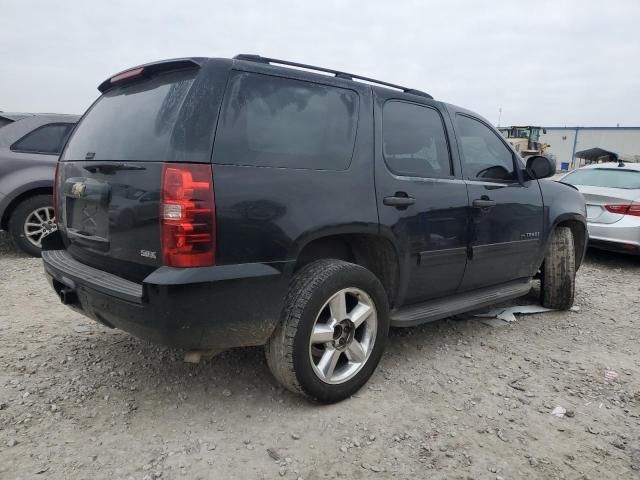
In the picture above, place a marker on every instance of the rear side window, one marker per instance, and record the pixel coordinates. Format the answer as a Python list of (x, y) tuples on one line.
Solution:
[(48, 139), (279, 122), (415, 143), (604, 177), (148, 120)]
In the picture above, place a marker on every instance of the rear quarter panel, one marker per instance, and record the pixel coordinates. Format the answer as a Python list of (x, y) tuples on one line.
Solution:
[(268, 214), (21, 179)]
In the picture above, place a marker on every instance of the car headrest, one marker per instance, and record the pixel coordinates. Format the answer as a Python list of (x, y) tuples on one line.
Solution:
[(406, 140)]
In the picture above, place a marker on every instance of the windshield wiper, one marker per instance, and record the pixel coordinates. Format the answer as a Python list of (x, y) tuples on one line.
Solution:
[(111, 168)]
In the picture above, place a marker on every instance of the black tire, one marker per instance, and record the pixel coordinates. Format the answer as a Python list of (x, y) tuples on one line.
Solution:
[(18, 218), (287, 350), (558, 279)]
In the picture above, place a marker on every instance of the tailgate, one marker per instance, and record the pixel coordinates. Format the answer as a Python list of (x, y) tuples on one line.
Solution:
[(109, 215), (111, 171)]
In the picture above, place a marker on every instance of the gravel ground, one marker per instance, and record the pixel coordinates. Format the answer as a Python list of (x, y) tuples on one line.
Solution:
[(458, 398)]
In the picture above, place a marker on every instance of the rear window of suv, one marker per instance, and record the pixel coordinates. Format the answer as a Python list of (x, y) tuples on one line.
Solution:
[(279, 122), (148, 120)]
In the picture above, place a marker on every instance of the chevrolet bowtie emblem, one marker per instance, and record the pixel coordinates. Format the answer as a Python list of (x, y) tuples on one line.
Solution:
[(78, 189)]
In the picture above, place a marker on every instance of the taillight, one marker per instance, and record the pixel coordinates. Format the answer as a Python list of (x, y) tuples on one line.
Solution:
[(55, 191), (633, 209), (187, 215), (620, 209)]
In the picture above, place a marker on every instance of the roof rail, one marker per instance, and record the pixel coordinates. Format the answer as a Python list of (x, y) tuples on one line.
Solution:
[(336, 73)]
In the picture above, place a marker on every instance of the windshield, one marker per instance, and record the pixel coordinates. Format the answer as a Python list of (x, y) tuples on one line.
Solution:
[(604, 177), (143, 121)]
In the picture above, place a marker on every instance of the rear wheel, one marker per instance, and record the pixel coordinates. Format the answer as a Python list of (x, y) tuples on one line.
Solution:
[(31, 220), (558, 278), (332, 332)]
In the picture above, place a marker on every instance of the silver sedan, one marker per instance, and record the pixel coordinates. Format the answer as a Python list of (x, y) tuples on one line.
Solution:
[(612, 194)]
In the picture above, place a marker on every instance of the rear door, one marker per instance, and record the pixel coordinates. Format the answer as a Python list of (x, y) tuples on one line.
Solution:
[(506, 211), (422, 200), (110, 174)]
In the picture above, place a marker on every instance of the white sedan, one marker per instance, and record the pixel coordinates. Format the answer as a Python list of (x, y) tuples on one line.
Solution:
[(612, 194)]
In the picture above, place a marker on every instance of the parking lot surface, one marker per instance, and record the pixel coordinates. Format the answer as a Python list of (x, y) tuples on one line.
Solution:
[(464, 398)]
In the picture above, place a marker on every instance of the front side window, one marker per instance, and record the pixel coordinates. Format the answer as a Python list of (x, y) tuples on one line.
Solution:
[(484, 156), (280, 122), (47, 139), (414, 141)]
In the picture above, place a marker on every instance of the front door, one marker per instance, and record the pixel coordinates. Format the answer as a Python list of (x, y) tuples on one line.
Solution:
[(506, 210), (422, 201)]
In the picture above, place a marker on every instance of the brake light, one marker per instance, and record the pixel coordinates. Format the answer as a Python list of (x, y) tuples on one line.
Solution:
[(633, 209), (128, 74), (620, 209), (187, 215), (55, 191)]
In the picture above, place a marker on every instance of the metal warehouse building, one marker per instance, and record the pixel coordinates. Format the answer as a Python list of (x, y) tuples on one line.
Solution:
[(572, 147)]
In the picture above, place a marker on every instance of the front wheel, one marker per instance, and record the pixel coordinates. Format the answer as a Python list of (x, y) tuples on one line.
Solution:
[(558, 280), (31, 220), (332, 333)]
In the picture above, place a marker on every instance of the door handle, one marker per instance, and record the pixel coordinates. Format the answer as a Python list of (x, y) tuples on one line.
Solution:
[(399, 200), (484, 203)]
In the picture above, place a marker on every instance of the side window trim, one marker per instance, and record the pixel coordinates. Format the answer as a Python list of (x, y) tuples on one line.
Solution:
[(69, 127), (504, 143), (452, 173)]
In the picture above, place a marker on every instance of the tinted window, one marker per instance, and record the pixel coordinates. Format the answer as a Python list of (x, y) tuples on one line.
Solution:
[(604, 177), (47, 139), (145, 120), (484, 156), (279, 122), (414, 141)]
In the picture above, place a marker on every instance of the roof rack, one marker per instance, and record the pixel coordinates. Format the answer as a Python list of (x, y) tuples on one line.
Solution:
[(336, 73)]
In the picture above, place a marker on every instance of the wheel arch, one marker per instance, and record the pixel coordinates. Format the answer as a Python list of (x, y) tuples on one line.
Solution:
[(578, 227), (369, 250), (10, 203)]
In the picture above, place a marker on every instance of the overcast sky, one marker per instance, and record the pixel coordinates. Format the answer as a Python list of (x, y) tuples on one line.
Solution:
[(551, 63)]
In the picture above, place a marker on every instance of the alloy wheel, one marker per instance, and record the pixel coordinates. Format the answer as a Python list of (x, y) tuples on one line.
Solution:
[(39, 223), (343, 336)]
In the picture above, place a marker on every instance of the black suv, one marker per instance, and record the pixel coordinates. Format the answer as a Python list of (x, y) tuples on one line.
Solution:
[(217, 203)]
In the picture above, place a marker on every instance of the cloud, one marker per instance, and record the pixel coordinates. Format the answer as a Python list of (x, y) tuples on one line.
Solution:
[(544, 62)]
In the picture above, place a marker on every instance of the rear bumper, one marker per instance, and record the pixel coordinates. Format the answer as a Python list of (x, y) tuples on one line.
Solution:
[(194, 308), (621, 236)]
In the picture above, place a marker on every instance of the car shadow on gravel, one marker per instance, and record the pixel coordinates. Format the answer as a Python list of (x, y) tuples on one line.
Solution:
[(612, 259), (7, 249), (140, 369), (116, 362)]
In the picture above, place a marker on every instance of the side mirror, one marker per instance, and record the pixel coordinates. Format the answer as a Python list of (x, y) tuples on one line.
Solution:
[(539, 166)]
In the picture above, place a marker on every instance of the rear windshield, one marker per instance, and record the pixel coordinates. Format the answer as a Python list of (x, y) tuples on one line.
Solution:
[(143, 121), (279, 122), (604, 177)]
